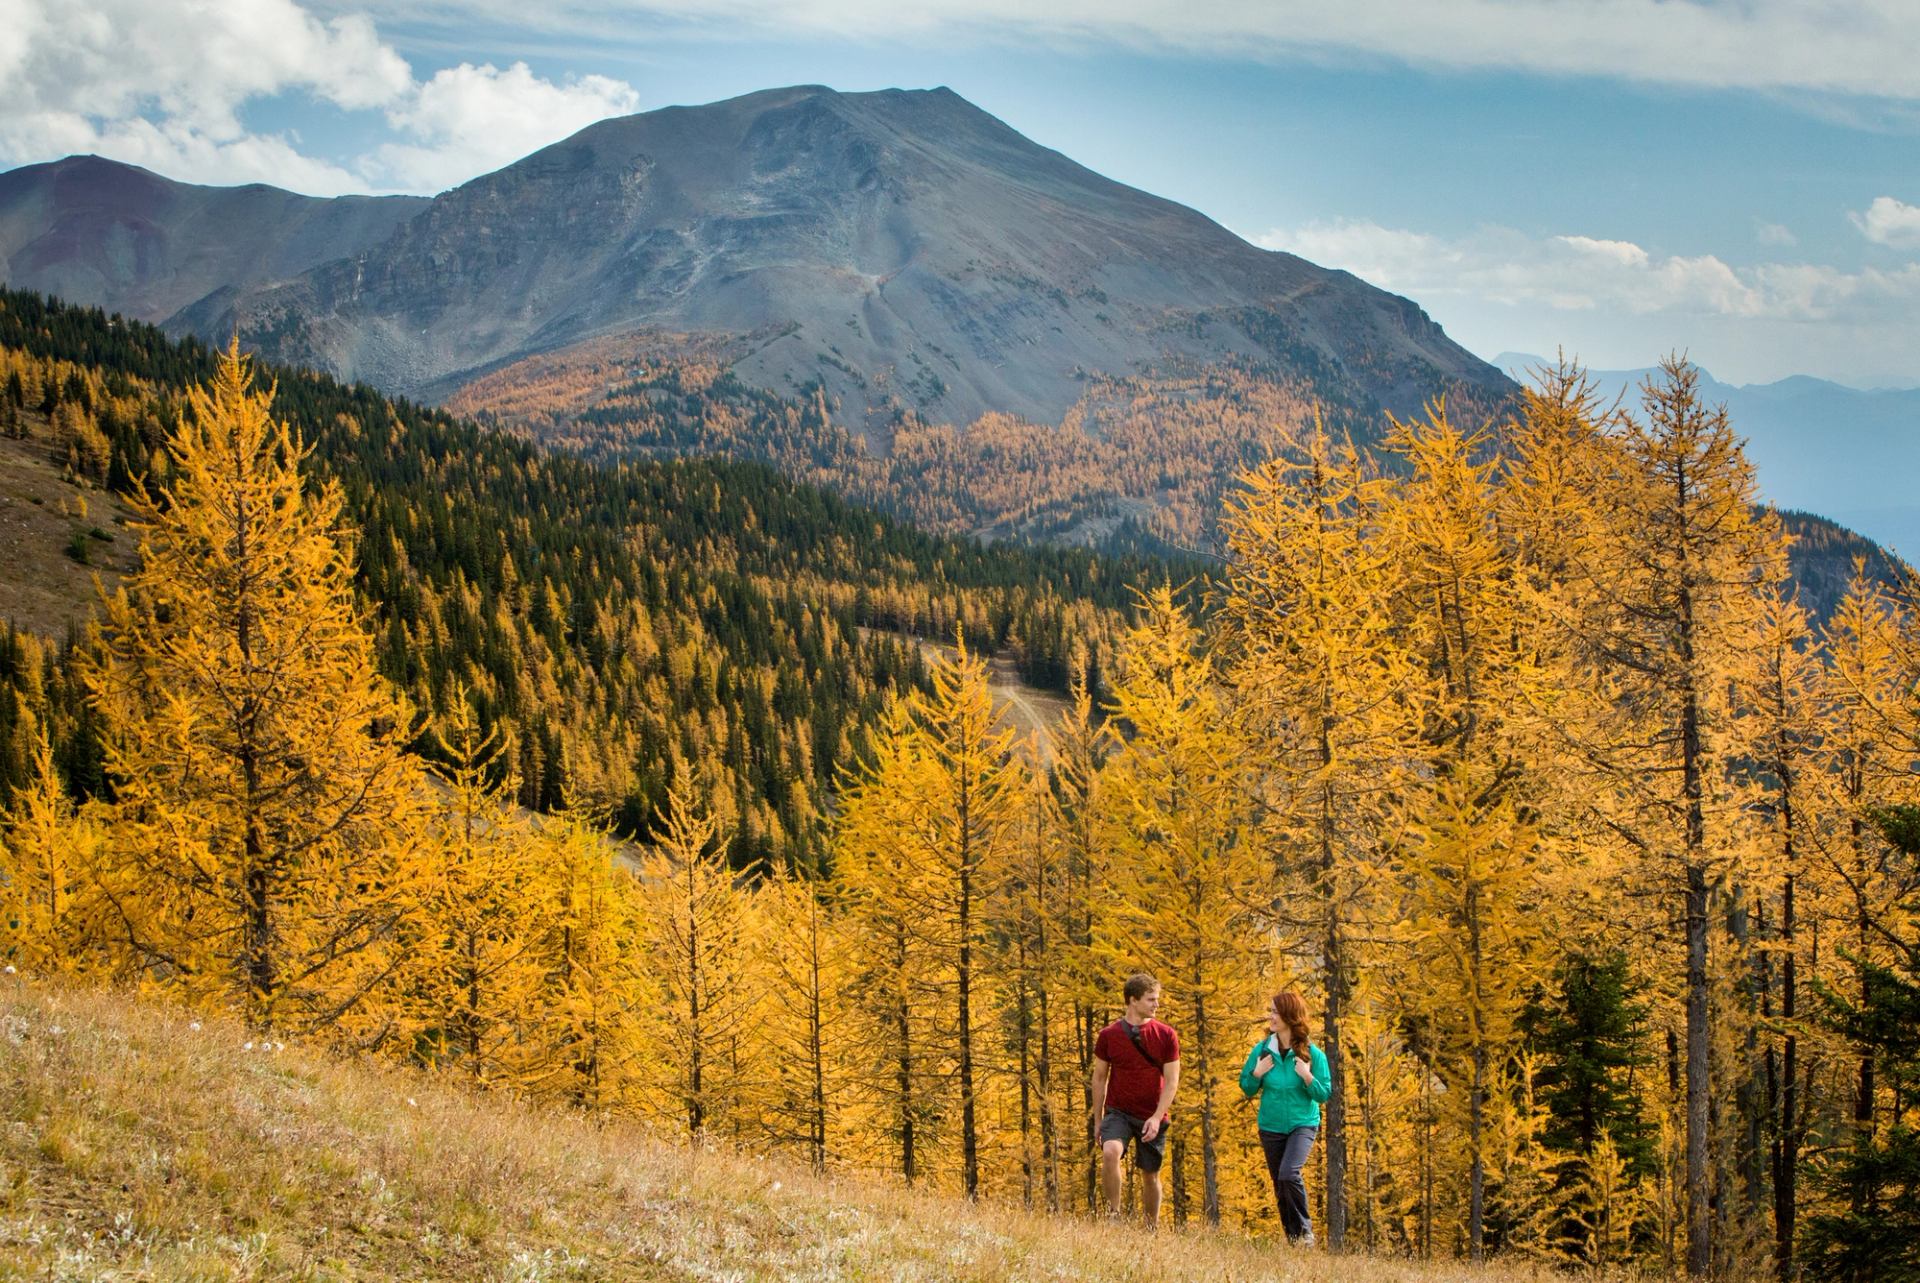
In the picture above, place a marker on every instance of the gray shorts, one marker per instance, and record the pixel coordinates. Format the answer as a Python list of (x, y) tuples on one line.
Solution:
[(1123, 1127)]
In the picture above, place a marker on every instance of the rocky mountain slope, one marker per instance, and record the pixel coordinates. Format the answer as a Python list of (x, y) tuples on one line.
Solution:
[(906, 250)]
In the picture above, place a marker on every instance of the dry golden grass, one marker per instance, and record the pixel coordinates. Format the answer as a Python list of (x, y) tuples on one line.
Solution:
[(142, 1144)]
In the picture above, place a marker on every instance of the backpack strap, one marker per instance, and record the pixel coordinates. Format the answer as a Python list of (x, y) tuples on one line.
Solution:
[(1140, 1045)]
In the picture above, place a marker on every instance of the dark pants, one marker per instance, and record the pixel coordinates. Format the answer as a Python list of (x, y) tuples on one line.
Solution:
[(1286, 1155)]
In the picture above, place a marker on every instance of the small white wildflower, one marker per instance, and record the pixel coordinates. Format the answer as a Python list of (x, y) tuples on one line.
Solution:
[(10, 970), (195, 1026), (412, 1103), (279, 1046), (248, 1047), (776, 1187), (55, 1030)]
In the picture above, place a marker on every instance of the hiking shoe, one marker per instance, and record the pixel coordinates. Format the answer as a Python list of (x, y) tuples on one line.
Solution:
[(1306, 1240)]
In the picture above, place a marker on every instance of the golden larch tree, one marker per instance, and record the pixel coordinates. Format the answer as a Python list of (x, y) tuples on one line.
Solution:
[(699, 955), (879, 864), (1314, 652), (1470, 862), (1187, 873), (1869, 741), (1659, 610), (806, 969), (269, 816), (475, 976), (597, 981), (969, 832), (55, 906)]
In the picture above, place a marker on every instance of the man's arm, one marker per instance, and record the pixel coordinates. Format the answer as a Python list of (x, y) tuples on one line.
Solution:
[(1097, 1090), (1169, 1084)]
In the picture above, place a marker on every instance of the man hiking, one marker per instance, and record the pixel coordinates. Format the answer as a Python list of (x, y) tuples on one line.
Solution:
[(1136, 1070)]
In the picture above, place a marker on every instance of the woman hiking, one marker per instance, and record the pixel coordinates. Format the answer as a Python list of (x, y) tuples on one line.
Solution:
[(1289, 1075)]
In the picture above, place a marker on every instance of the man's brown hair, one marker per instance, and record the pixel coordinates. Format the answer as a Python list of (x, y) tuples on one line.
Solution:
[(1139, 985)]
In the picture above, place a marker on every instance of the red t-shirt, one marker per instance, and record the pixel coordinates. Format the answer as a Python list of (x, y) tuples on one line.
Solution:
[(1133, 1085)]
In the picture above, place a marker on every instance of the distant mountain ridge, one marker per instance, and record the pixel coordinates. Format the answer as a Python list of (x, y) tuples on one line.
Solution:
[(104, 234), (1846, 453), (904, 250)]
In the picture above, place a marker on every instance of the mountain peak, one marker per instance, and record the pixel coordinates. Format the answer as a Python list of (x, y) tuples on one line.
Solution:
[(904, 249)]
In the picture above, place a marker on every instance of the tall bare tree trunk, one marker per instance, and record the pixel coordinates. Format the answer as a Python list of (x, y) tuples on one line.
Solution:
[(969, 1134)]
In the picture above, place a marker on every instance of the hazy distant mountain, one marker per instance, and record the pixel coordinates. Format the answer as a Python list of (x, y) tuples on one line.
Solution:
[(902, 248), (1848, 454), (98, 232)]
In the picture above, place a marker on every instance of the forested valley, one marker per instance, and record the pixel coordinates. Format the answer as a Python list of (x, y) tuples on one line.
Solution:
[(611, 619), (1513, 746)]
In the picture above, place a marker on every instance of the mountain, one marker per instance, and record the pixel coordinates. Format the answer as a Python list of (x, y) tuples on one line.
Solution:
[(903, 249), (1847, 453), (98, 232)]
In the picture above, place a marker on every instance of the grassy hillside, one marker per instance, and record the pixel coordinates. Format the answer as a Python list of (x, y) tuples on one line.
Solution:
[(56, 533), (136, 1142)]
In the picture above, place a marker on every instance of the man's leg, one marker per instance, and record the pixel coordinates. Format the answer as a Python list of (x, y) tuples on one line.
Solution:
[(1150, 1198), (1110, 1152)]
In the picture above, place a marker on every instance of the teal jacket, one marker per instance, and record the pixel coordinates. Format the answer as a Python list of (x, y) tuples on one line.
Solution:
[(1285, 1101)]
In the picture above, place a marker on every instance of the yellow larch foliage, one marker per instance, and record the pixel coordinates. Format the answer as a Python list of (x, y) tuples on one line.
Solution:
[(699, 956), (898, 1027), (267, 814), (1327, 679), (800, 1031), (55, 910), (474, 976), (592, 1028), (1470, 863), (1188, 880), (1659, 610)]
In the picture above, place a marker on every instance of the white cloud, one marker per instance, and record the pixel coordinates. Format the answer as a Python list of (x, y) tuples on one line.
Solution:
[(164, 83), (1574, 273), (1619, 305), (1613, 253), (1773, 234), (190, 61), (1860, 47), (473, 119), (1890, 222), (1584, 273)]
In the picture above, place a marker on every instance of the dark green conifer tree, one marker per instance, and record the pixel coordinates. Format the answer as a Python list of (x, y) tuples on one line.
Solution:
[(1589, 1032), (1876, 1234)]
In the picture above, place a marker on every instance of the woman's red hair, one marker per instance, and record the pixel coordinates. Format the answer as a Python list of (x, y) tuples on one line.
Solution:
[(1292, 1009)]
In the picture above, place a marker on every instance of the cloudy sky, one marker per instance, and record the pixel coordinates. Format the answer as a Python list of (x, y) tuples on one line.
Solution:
[(1621, 178)]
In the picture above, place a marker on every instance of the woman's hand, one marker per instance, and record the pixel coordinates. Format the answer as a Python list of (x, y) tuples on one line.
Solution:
[(1262, 1065), (1305, 1069)]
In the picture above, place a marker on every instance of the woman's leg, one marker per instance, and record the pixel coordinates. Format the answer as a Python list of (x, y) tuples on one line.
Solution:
[(1287, 1185), (1274, 1146)]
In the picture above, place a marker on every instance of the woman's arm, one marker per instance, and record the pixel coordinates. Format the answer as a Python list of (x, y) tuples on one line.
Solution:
[(1321, 1088), (1249, 1079)]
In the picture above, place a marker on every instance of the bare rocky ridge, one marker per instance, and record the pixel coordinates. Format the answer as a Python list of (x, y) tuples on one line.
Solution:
[(903, 248)]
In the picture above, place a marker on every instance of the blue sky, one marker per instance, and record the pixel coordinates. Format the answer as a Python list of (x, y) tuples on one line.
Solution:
[(1750, 193)]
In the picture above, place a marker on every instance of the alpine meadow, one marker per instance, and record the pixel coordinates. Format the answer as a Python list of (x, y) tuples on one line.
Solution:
[(717, 700)]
